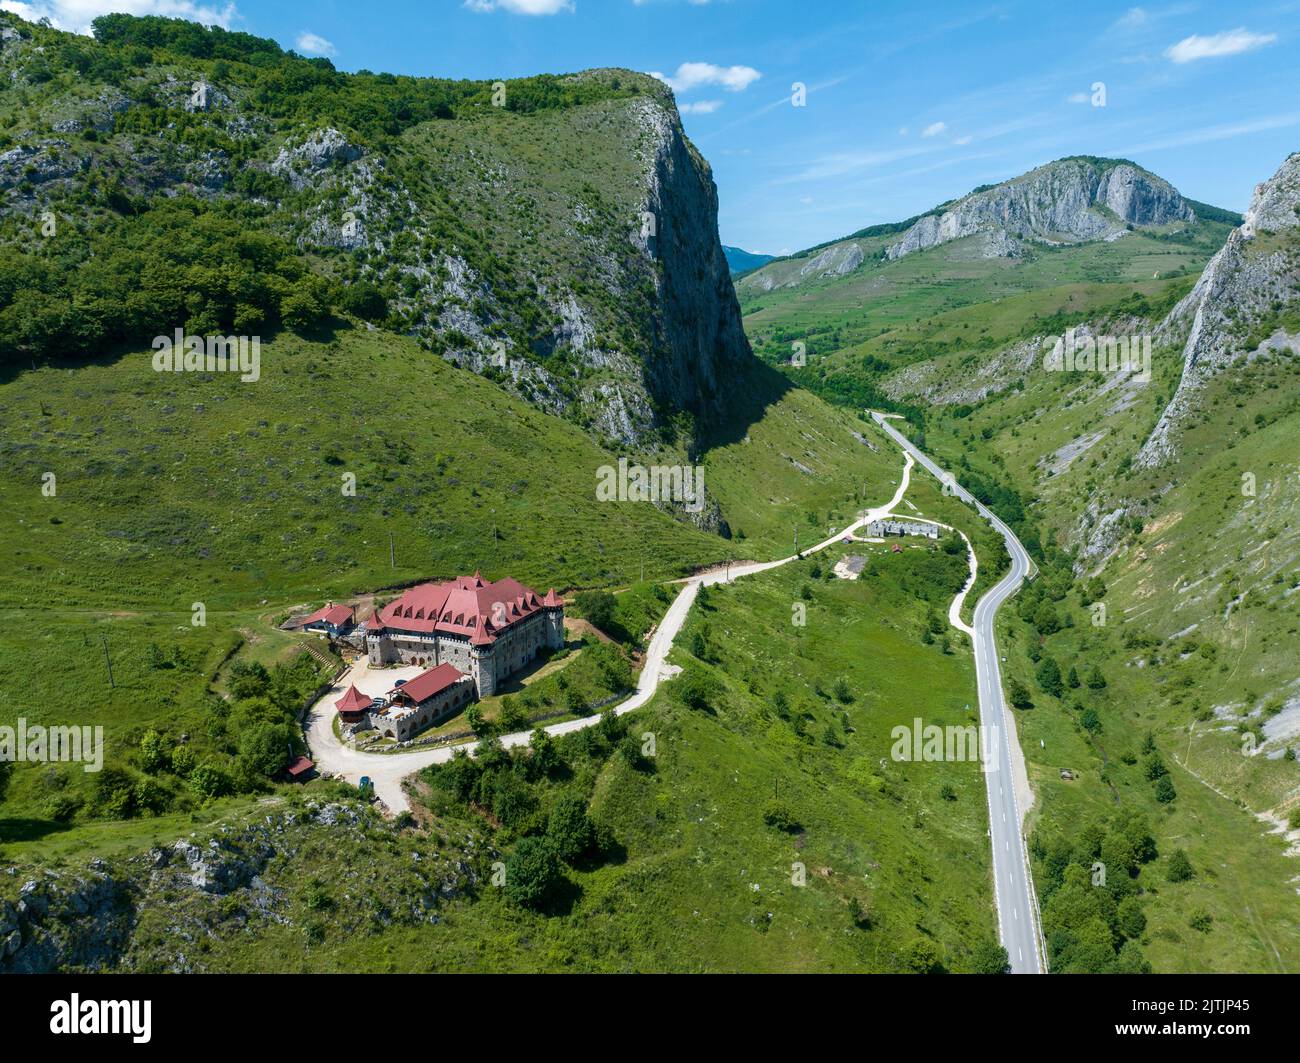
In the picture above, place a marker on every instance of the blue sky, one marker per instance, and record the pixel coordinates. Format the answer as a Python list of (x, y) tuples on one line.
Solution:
[(907, 104)]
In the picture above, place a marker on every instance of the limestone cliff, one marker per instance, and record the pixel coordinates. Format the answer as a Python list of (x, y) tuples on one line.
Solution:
[(1067, 200), (1228, 318)]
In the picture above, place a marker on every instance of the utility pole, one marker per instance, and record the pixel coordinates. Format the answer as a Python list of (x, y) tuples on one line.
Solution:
[(392, 551), (107, 661), (796, 542)]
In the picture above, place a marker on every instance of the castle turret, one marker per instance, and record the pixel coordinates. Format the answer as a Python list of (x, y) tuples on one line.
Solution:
[(553, 606)]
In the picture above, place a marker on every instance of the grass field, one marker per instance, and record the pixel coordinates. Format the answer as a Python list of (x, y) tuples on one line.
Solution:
[(894, 852), (180, 498)]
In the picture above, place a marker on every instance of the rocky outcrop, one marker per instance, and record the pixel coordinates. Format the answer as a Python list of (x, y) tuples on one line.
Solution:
[(302, 162), (1064, 201), (1250, 277), (173, 908), (698, 343)]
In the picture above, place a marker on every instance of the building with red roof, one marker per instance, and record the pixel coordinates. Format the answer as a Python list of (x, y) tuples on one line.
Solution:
[(299, 769), (423, 701), (331, 620), (485, 630), (352, 706)]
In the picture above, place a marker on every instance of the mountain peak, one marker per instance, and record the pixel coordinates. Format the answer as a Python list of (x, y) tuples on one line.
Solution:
[(1074, 199)]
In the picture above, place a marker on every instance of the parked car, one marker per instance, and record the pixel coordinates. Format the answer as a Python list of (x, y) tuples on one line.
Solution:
[(400, 683), (377, 703)]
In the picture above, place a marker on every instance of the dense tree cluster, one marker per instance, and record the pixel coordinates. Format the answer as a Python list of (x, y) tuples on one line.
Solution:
[(254, 735), (537, 797), (1091, 890)]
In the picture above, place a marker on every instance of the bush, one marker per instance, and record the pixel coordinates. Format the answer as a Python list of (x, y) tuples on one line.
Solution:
[(183, 761), (154, 756), (1180, 867), (1018, 694), (568, 829), (596, 607), (922, 957), (779, 816), (532, 871), (209, 781), (265, 748), (512, 716), (990, 958), (365, 301)]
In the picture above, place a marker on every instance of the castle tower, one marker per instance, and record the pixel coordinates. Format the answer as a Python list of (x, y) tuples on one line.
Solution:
[(483, 664), (554, 609)]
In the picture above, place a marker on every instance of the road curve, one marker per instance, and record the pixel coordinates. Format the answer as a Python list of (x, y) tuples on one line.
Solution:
[(1013, 884), (387, 770)]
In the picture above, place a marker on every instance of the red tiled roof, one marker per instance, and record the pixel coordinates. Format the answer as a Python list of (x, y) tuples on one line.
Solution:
[(334, 615), (301, 766), (468, 606), (427, 684), (352, 701), (552, 599)]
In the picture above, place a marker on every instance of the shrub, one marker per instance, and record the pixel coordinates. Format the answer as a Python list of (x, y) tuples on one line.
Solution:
[(779, 816), (1180, 867), (596, 607), (154, 756), (568, 829), (532, 871), (209, 781)]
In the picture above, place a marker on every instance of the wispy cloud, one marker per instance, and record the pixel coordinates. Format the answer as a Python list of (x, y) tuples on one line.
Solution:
[(700, 107), (1220, 132), (521, 7), (934, 129), (1230, 42)]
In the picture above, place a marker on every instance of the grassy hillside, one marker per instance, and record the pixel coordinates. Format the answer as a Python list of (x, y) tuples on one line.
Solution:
[(1197, 642), (886, 315), (177, 489), (684, 859), (499, 223)]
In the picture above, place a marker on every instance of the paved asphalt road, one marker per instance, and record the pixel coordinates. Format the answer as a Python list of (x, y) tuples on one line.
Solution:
[(1017, 905)]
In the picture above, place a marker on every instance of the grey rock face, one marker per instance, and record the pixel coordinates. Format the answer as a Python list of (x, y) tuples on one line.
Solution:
[(1238, 287), (699, 341), (46, 161), (1072, 199), (837, 261), (299, 164)]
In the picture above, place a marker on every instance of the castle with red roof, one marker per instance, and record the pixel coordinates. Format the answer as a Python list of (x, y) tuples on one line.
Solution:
[(487, 631)]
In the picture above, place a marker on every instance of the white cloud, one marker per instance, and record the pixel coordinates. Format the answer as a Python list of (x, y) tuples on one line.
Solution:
[(1230, 42), (309, 43), (521, 7), (77, 15), (934, 129), (1132, 18), (700, 107), (902, 132), (963, 141), (693, 75)]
